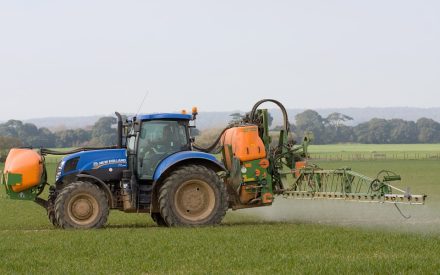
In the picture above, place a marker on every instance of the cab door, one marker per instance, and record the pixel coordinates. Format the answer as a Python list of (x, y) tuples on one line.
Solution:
[(157, 140)]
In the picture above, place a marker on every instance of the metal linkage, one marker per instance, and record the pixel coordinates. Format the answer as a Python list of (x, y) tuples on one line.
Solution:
[(344, 184)]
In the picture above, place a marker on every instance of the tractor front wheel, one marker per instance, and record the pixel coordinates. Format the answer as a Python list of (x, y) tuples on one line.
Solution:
[(193, 195), (81, 205)]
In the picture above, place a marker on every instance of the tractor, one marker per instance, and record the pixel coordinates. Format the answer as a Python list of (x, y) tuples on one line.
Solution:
[(157, 168)]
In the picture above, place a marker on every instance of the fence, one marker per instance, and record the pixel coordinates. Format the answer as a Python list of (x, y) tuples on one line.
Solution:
[(353, 156)]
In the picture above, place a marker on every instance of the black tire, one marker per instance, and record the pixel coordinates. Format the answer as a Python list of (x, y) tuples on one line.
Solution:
[(81, 205), (193, 195), (51, 209), (158, 219)]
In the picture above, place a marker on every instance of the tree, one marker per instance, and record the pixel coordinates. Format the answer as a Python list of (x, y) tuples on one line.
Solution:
[(72, 138), (402, 131), (428, 131), (337, 119), (10, 128), (311, 121), (376, 131), (336, 131), (339, 134), (6, 143), (28, 134), (236, 117), (45, 138), (103, 134)]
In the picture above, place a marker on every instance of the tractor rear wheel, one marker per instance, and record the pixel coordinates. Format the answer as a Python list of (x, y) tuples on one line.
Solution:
[(158, 219), (81, 205), (193, 195)]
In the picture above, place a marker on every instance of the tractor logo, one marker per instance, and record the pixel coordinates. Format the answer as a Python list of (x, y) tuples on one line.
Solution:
[(118, 162)]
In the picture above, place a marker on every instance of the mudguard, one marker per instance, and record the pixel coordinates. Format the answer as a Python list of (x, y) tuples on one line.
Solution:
[(181, 157)]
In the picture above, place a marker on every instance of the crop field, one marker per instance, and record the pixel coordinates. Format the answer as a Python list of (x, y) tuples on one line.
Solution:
[(375, 152), (292, 237)]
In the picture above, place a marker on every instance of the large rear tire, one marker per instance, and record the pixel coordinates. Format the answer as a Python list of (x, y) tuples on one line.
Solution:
[(81, 205), (193, 195), (158, 219)]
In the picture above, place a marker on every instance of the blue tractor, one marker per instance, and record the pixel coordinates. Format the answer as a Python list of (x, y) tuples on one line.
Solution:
[(157, 168), (152, 169)]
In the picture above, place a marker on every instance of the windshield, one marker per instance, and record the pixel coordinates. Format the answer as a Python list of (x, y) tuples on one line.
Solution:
[(157, 140)]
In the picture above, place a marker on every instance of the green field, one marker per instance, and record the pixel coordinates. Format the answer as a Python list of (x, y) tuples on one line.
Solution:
[(293, 236), (375, 152), (375, 148)]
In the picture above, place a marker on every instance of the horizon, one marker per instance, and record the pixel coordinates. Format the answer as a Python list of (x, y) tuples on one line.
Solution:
[(220, 111), (207, 119), (235, 111)]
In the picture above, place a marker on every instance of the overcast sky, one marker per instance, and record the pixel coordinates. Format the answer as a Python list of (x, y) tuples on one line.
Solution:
[(72, 58)]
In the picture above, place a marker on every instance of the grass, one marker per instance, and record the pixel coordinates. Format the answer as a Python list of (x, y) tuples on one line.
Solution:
[(418, 148), (305, 237), (229, 249), (375, 151)]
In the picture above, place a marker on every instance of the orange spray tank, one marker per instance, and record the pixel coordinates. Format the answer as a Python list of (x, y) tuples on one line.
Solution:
[(245, 157), (28, 165), (245, 142)]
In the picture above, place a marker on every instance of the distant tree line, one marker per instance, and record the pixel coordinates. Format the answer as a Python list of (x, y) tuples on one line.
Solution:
[(15, 133), (326, 130), (331, 129)]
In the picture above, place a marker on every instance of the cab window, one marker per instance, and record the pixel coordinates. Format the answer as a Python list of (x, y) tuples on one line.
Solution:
[(157, 140)]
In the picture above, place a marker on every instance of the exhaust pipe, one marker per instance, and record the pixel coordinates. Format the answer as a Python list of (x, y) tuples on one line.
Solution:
[(118, 115)]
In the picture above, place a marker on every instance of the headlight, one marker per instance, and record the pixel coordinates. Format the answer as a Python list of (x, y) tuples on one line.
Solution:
[(59, 170)]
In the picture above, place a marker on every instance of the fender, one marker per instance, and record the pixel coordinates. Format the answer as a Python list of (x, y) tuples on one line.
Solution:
[(167, 166), (190, 156), (102, 185)]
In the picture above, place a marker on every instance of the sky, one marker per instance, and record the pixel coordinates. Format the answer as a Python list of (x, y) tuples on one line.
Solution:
[(79, 58)]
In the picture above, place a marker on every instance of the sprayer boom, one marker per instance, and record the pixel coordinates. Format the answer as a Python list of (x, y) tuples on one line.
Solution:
[(344, 184)]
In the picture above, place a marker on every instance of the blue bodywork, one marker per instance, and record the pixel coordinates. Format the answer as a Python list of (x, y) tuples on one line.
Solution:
[(164, 116), (117, 158), (93, 160), (182, 156)]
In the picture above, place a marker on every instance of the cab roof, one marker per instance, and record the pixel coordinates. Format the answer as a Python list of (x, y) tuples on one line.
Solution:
[(164, 116)]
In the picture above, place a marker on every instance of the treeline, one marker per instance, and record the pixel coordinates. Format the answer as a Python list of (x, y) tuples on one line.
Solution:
[(15, 133), (326, 130), (332, 129)]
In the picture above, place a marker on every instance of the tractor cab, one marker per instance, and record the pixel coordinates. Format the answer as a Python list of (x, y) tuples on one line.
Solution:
[(155, 137)]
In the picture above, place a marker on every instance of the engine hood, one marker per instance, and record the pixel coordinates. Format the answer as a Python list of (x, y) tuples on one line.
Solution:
[(91, 160)]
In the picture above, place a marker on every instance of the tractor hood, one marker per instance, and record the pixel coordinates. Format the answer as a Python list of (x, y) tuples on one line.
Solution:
[(91, 161)]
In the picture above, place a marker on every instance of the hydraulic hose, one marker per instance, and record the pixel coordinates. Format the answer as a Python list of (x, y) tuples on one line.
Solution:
[(211, 148), (45, 151), (283, 110)]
